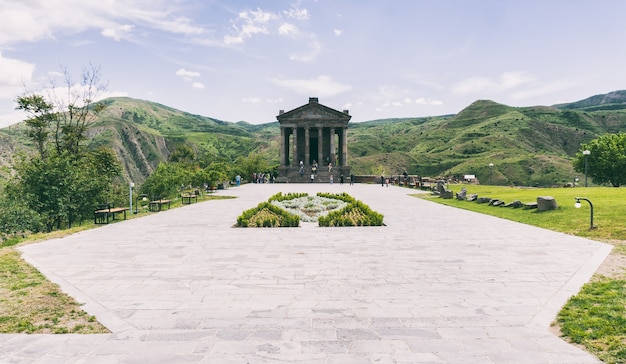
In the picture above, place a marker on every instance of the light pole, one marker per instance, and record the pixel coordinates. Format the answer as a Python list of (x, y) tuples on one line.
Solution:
[(577, 205), (586, 153), (130, 196), (491, 172)]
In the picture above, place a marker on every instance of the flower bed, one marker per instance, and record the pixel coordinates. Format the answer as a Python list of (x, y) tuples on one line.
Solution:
[(326, 208)]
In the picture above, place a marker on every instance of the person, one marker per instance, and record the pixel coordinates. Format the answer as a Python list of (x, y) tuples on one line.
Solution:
[(238, 180), (330, 167), (331, 179), (341, 179), (301, 171), (382, 181), (312, 178), (314, 169), (351, 179), (301, 164)]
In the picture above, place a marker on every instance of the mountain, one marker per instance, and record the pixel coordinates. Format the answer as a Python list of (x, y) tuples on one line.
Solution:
[(615, 100), (527, 145)]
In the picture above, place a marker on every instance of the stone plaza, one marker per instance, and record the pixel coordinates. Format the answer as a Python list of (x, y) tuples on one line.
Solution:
[(434, 285)]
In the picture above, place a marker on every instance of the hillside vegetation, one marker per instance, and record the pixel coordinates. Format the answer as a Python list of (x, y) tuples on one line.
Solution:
[(527, 145)]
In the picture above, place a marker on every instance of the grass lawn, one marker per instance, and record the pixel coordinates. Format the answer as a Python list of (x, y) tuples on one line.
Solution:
[(596, 316), (29, 303)]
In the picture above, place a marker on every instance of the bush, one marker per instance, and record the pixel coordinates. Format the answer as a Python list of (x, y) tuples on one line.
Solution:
[(267, 215), (290, 196), (355, 214)]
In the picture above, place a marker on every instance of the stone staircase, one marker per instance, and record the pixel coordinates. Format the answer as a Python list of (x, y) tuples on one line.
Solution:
[(292, 175)]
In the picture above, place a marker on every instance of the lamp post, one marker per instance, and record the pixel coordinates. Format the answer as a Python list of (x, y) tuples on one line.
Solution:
[(491, 172), (586, 153), (577, 205), (130, 196)]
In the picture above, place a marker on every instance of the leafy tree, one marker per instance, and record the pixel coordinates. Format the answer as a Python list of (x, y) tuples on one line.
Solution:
[(183, 153), (64, 182), (166, 179), (253, 163), (607, 161)]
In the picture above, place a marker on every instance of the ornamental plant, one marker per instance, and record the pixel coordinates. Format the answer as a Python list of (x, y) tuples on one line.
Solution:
[(267, 215), (355, 214)]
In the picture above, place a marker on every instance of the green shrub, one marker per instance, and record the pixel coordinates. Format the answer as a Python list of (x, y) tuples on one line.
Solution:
[(289, 196), (355, 214), (267, 215)]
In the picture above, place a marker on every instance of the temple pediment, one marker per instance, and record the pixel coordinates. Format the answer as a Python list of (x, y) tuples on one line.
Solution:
[(314, 112)]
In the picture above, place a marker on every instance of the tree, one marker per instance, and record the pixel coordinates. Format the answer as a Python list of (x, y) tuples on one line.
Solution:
[(64, 182), (607, 161)]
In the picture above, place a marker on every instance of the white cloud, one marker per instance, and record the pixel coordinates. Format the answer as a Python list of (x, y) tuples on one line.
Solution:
[(337, 32), (248, 24), (14, 76), (289, 30), (117, 33), (505, 81), (300, 14), (187, 74), (197, 85), (322, 86), (315, 48), (428, 101), (35, 20)]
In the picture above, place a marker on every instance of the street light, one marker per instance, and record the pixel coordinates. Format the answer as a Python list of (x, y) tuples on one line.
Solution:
[(142, 197), (491, 173), (577, 205), (586, 153)]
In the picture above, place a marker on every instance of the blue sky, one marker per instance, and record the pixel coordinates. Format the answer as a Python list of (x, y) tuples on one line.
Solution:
[(246, 60)]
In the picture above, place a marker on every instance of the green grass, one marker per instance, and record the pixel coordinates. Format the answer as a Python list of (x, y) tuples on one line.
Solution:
[(596, 316), (609, 208)]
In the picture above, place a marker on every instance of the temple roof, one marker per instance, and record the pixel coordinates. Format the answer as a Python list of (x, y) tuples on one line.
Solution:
[(314, 113)]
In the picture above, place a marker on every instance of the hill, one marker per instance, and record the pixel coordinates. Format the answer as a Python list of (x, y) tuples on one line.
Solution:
[(527, 145)]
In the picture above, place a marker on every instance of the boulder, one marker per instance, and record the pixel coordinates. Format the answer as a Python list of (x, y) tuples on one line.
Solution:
[(462, 196), (515, 204), (472, 197), (483, 200), (546, 203)]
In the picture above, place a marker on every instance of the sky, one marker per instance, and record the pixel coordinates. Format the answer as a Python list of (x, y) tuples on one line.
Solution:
[(244, 60)]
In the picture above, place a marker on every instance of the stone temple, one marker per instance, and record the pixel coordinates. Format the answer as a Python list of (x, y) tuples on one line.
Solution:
[(313, 133)]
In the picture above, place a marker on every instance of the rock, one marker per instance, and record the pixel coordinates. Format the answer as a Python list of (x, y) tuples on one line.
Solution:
[(483, 200), (546, 203), (515, 204), (472, 197), (462, 196), (530, 205), (442, 191)]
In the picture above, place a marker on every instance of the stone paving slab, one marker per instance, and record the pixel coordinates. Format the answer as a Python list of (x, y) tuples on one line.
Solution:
[(435, 285)]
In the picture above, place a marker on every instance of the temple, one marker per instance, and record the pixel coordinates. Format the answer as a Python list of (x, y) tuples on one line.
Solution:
[(313, 133)]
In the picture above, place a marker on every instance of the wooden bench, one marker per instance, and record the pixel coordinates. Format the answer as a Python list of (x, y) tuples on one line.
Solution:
[(187, 198), (102, 213), (157, 204)]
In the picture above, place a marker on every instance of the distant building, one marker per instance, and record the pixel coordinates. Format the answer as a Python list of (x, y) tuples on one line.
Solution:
[(313, 133)]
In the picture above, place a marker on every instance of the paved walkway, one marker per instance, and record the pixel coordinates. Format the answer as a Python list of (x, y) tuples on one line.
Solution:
[(436, 285)]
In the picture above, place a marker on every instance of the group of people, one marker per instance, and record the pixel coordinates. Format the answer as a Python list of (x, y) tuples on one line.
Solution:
[(262, 177)]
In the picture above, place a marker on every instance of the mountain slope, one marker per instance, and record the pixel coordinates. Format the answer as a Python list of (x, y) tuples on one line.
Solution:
[(527, 145)]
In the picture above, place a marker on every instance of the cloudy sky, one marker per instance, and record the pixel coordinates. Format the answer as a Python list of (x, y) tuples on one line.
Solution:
[(246, 60)]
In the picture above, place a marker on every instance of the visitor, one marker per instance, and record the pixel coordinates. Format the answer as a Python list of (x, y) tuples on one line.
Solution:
[(351, 179), (382, 181), (341, 179), (238, 180), (312, 178), (331, 179), (330, 167)]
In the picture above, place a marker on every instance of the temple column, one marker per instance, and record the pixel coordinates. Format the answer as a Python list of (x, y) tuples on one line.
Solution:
[(283, 159), (320, 145), (307, 147), (344, 147), (296, 162), (332, 145)]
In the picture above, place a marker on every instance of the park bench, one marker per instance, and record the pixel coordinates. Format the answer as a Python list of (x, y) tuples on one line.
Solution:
[(157, 203), (102, 213), (187, 198)]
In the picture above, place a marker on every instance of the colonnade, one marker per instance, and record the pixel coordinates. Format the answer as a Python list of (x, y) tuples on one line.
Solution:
[(321, 144)]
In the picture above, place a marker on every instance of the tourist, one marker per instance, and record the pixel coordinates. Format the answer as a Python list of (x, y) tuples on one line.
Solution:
[(351, 179), (382, 181), (312, 178), (238, 180), (341, 179), (331, 179), (330, 167)]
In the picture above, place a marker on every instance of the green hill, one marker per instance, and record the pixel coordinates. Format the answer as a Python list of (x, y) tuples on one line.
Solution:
[(527, 145)]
